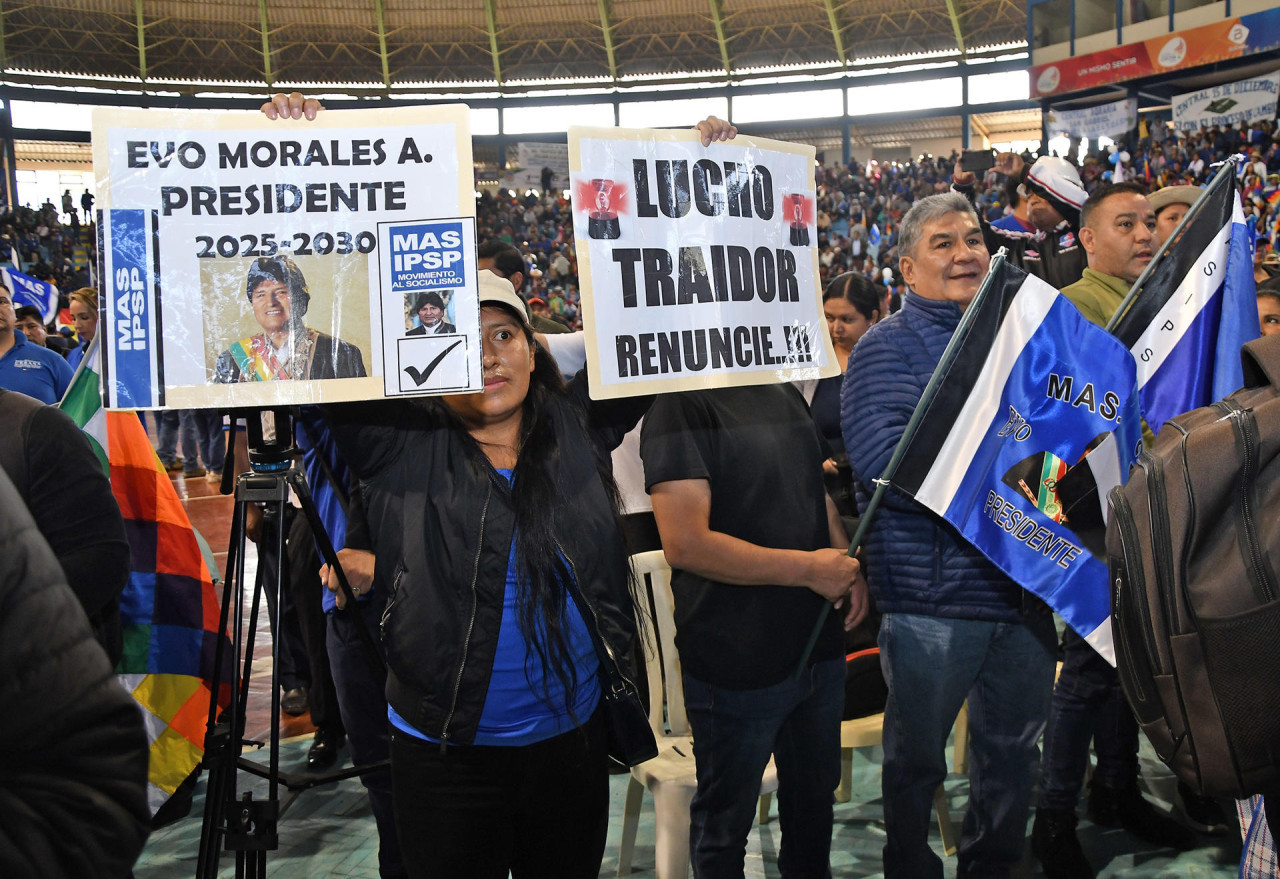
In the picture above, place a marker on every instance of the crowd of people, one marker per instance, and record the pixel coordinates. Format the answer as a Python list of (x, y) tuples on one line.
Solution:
[(484, 540)]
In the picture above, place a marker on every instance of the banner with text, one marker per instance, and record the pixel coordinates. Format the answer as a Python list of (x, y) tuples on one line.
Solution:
[(1101, 120), (540, 166), (246, 262), (698, 264), (1230, 38), (1227, 104)]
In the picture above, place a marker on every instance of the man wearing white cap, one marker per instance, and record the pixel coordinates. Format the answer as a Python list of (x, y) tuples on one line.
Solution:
[(1054, 197)]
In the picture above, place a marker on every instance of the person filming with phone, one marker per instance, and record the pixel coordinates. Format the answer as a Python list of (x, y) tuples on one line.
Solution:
[(1054, 195)]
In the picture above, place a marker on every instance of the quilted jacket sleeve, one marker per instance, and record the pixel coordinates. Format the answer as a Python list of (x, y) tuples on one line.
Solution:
[(73, 769)]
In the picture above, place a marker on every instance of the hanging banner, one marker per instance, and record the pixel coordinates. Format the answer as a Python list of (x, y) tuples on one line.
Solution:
[(1228, 104), (698, 264), (249, 262), (540, 166), (1101, 120), (1222, 40)]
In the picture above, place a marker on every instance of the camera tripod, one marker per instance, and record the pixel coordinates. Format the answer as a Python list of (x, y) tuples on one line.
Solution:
[(246, 825)]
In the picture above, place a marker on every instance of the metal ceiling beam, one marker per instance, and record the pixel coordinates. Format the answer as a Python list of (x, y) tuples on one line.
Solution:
[(491, 18), (266, 43), (955, 24), (606, 26), (717, 15), (142, 41), (835, 31), (381, 12)]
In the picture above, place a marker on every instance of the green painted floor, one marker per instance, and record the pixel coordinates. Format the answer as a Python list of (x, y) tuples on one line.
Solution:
[(330, 832)]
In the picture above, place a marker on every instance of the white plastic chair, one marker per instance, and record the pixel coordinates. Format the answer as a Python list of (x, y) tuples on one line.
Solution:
[(671, 776)]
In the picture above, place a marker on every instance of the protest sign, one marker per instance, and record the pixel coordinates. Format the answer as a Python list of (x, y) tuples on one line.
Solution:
[(697, 264), (1227, 104), (1100, 120), (249, 262)]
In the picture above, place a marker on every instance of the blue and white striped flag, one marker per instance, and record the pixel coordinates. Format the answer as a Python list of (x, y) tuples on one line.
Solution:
[(1033, 387), (1199, 306), (29, 291)]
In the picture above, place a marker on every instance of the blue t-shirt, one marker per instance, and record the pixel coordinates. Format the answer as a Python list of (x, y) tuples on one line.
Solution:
[(34, 370), (326, 500), (522, 707)]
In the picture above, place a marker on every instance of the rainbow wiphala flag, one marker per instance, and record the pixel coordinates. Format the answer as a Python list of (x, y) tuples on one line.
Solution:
[(170, 609)]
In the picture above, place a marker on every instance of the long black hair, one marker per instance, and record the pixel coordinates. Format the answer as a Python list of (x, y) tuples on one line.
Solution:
[(543, 576)]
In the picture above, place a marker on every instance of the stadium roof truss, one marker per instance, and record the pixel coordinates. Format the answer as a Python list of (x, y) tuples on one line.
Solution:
[(460, 45)]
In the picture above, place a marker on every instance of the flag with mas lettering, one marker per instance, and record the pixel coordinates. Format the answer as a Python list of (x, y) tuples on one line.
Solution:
[(1032, 388), (1189, 320), (169, 610)]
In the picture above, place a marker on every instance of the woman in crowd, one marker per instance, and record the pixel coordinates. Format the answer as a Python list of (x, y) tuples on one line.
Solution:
[(499, 514), (851, 304), (1269, 307), (84, 314)]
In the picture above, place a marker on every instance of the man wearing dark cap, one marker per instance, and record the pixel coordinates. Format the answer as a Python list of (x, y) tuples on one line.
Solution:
[(1055, 195), (286, 349), (430, 310)]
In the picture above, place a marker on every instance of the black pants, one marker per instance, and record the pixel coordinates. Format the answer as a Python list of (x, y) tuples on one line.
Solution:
[(478, 812)]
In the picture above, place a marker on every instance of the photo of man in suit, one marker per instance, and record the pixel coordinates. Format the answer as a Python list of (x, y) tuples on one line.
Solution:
[(430, 310), (286, 349)]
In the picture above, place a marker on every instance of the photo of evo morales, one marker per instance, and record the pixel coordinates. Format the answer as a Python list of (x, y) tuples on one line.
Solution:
[(286, 349)]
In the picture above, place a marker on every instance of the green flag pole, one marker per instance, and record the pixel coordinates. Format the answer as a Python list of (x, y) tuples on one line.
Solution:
[(913, 424), (1225, 173)]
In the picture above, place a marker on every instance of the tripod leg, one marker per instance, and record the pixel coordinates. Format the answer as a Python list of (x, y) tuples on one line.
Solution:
[(222, 737)]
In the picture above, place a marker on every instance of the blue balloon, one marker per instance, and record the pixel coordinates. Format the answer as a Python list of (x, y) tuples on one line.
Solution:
[(1106, 175), (1113, 158)]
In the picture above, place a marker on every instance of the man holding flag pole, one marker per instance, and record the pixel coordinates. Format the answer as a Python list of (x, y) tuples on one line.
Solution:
[(1119, 235), (973, 537), (1185, 334)]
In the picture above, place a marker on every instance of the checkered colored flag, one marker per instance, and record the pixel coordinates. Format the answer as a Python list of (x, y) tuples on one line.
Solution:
[(169, 609)]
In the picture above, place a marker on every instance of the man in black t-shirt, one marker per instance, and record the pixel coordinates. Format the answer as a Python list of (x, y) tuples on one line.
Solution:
[(756, 549)]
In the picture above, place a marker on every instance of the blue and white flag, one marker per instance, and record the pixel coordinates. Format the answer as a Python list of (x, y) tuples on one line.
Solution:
[(1033, 387), (1187, 324), (874, 235), (28, 291)]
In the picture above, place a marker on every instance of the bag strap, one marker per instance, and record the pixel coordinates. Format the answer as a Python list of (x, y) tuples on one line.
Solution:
[(1261, 361)]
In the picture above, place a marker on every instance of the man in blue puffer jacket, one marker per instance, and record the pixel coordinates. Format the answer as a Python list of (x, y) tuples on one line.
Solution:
[(954, 626)]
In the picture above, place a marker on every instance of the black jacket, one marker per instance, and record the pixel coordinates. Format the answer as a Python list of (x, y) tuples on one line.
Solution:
[(73, 770), (443, 521), (1056, 257), (61, 481), (421, 330)]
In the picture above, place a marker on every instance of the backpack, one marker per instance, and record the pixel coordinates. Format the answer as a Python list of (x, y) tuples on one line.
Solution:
[(1195, 615)]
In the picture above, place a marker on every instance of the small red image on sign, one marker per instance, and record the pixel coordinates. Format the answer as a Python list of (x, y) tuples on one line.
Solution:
[(604, 200), (798, 213)]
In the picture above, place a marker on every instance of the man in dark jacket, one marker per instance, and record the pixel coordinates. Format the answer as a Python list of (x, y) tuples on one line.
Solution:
[(954, 626), (1055, 194), (73, 800), (62, 482)]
